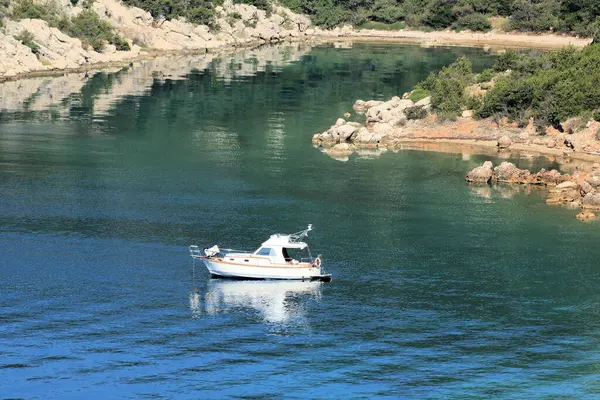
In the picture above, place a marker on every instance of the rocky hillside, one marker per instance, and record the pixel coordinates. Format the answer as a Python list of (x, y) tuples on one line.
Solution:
[(28, 45)]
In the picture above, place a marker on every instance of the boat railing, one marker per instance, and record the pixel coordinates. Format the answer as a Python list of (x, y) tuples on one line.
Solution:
[(195, 251)]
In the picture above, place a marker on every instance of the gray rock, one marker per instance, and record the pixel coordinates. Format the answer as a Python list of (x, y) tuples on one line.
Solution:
[(479, 175), (591, 201), (424, 102), (346, 132), (363, 135), (593, 180), (566, 185), (506, 171), (586, 188)]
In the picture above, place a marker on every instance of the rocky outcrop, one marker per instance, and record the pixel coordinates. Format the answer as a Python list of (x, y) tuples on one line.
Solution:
[(390, 112), (238, 24), (591, 201), (563, 193), (15, 58), (385, 124), (481, 174), (55, 50), (340, 132), (570, 190)]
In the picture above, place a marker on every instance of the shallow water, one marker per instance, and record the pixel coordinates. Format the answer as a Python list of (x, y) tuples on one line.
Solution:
[(440, 289)]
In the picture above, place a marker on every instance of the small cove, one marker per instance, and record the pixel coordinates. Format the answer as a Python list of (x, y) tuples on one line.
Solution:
[(440, 289)]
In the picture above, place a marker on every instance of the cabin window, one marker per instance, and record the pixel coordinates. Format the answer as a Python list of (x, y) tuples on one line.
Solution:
[(266, 251)]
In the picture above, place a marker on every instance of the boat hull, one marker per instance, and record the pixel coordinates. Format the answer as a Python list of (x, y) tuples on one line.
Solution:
[(237, 271)]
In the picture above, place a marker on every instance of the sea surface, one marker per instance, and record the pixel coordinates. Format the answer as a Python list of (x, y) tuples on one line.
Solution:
[(440, 289)]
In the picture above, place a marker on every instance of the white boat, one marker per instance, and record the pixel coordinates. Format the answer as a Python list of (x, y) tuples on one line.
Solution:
[(276, 258)]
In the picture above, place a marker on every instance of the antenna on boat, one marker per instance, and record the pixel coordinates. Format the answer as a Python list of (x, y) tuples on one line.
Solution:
[(294, 237)]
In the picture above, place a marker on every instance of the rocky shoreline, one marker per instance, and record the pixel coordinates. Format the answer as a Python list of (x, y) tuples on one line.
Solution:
[(240, 25), (400, 124), (396, 123), (578, 190)]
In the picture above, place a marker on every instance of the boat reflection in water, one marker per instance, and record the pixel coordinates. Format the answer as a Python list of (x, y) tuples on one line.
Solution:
[(278, 302)]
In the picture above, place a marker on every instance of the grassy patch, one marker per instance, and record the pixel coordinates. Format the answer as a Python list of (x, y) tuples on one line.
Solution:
[(418, 94)]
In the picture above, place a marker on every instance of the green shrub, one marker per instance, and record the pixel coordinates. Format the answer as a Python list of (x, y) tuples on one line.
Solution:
[(474, 103), (202, 15), (252, 22), (26, 38), (415, 112), (447, 88), (87, 26), (578, 16), (418, 93), (486, 75), (596, 115), (48, 11), (3, 10), (195, 11), (509, 96), (264, 5), (473, 22), (91, 30), (387, 12)]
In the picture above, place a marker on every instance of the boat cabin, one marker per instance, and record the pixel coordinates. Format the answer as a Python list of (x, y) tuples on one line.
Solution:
[(282, 248)]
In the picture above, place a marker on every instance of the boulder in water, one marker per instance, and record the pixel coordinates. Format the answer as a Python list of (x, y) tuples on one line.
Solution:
[(482, 174), (504, 142)]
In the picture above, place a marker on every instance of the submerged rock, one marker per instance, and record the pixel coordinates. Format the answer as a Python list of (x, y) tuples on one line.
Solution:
[(586, 216)]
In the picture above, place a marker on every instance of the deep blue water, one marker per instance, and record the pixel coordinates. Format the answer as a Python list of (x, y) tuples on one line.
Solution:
[(440, 290)]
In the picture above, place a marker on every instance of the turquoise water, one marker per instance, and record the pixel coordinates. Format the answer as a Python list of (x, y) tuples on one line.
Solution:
[(440, 290)]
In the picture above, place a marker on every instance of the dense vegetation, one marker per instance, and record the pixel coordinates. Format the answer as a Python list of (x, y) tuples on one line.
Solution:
[(87, 26), (196, 11), (578, 16), (548, 87)]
